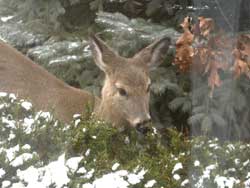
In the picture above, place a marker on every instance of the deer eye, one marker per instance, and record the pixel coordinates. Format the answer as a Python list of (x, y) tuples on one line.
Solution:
[(122, 92)]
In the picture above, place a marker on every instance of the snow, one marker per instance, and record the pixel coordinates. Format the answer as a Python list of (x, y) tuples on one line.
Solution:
[(206, 172), (45, 115), (18, 185), (12, 96), (136, 178), (89, 174), (81, 170), (73, 162), (196, 163), (231, 170), (118, 180), (127, 141), (2, 106), (28, 125), (55, 172), (122, 173), (215, 146), (150, 183), (9, 123), (2, 172), (3, 94), (247, 183), (26, 147), (115, 166), (75, 116), (231, 147), (6, 184), (21, 159), (246, 162), (237, 161), (87, 185), (6, 18), (31, 176), (177, 166), (177, 177), (11, 152), (224, 182), (206, 175), (184, 183), (77, 122), (11, 136), (111, 180), (87, 152), (26, 105)]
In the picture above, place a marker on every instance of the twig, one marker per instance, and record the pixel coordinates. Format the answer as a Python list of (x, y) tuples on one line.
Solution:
[(224, 16)]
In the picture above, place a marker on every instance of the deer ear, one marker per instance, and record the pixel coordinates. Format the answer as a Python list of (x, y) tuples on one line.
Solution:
[(153, 55), (103, 55)]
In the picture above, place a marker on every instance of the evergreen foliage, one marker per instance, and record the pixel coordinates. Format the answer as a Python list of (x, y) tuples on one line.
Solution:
[(36, 149), (177, 100)]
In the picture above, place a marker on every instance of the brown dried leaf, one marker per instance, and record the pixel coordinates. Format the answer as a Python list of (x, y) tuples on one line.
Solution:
[(211, 53), (187, 37), (206, 26), (240, 66), (184, 57), (244, 45), (213, 78), (184, 50)]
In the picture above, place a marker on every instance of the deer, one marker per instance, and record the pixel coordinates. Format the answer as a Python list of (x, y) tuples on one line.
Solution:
[(124, 97)]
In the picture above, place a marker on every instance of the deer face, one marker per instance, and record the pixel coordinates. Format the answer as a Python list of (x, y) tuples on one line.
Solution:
[(126, 90)]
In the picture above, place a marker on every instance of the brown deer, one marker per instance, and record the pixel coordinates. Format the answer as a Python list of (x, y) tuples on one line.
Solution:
[(125, 94)]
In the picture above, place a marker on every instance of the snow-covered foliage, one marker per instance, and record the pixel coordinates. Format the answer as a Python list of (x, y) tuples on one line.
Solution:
[(36, 150)]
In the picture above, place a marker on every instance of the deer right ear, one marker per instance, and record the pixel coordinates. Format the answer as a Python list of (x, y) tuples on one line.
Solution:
[(101, 53), (153, 55)]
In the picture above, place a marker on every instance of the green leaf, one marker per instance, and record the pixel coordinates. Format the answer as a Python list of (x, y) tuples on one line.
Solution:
[(219, 120), (153, 7), (196, 119), (206, 125), (187, 106), (198, 109), (240, 101), (177, 103)]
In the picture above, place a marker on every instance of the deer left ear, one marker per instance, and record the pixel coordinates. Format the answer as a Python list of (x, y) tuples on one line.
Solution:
[(103, 55), (153, 55)]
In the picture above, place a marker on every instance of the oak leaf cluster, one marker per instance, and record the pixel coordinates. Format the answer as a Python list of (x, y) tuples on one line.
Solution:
[(207, 49)]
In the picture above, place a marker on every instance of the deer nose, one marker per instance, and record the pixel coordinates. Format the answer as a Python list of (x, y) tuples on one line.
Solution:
[(140, 125)]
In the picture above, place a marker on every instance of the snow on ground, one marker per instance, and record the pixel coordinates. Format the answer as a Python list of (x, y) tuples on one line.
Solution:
[(177, 166), (6, 18), (26, 105), (59, 172), (18, 161), (225, 182), (2, 172), (119, 179), (150, 183), (55, 172)]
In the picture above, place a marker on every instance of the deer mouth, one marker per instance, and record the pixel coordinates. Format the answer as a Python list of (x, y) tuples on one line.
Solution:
[(143, 129)]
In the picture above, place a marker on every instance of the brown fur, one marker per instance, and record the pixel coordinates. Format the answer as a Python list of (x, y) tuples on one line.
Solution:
[(27, 80), (19, 75)]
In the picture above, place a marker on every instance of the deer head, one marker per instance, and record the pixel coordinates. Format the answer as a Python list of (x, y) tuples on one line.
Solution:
[(126, 90)]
